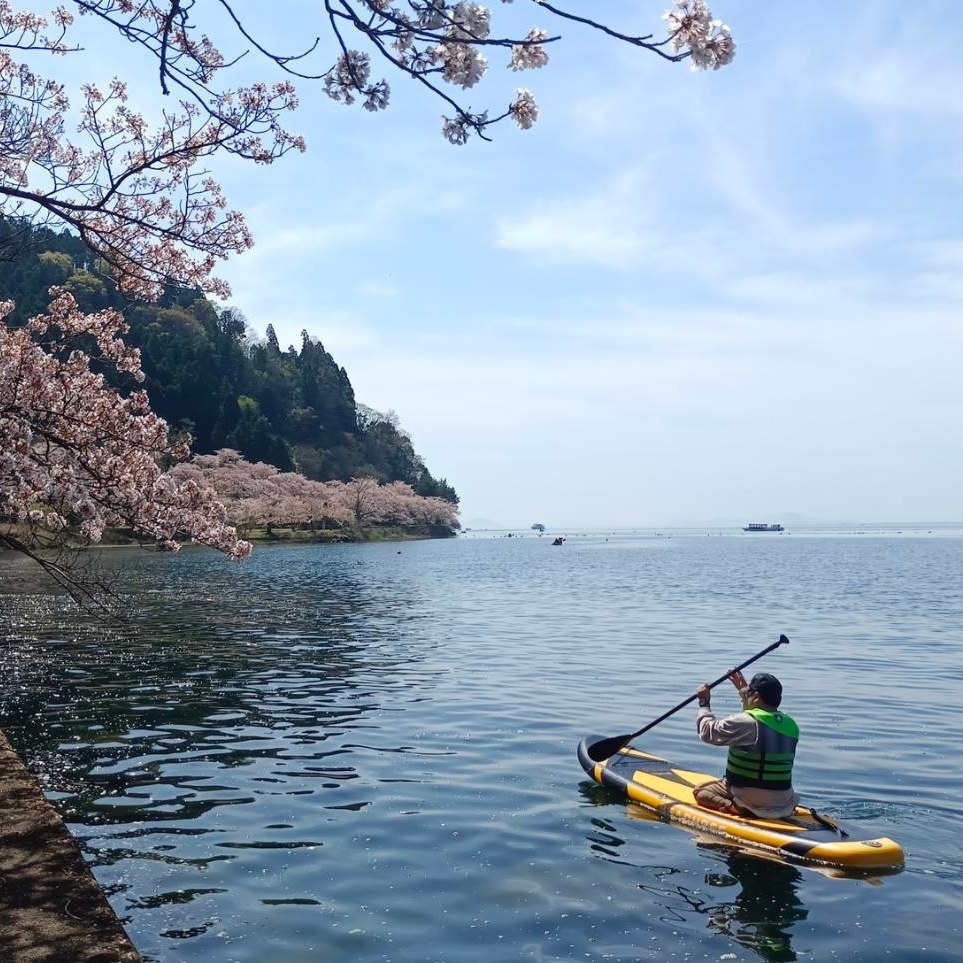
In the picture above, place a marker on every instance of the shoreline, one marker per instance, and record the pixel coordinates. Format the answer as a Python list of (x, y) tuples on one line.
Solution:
[(277, 535), (52, 909)]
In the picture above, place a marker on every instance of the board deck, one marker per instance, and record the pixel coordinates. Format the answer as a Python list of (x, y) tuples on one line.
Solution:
[(805, 836)]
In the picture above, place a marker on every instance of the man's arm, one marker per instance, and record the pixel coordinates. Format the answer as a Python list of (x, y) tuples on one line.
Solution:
[(736, 730)]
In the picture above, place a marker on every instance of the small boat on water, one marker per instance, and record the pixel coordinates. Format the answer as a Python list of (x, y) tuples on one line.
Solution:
[(763, 527)]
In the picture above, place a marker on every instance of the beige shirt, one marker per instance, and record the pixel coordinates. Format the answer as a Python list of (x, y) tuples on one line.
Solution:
[(742, 730)]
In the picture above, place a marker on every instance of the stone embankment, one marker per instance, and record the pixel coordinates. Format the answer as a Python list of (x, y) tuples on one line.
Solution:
[(51, 908)]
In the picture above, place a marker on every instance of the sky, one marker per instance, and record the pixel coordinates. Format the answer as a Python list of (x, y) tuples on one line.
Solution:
[(681, 298)]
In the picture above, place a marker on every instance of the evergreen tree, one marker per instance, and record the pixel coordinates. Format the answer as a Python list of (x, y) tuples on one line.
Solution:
[(292, 409)]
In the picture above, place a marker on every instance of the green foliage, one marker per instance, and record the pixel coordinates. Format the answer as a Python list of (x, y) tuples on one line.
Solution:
[(89, 291), (205, 374), (254, 438), (26, 274), (56, 266)]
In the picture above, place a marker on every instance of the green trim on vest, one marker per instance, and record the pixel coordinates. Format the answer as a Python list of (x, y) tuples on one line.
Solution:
[(783, 724)]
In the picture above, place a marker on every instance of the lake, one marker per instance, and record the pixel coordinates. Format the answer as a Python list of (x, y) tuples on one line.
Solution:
[(367, 752)]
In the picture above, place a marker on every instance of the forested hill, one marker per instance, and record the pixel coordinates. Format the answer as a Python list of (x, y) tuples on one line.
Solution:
[(209, 374)]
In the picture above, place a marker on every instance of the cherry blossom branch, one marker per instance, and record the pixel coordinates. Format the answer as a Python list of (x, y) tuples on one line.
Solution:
[(88, 584), (136, 196), (76, 456), (438, 37), (644, 41), (282, 60)]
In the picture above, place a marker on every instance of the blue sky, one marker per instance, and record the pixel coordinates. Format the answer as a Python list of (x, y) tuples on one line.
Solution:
[(681, 298)]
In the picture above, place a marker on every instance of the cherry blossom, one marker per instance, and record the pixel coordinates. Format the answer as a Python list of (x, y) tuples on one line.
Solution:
[(524, 110), (133, 190), (134, 187), (75, 453), (255, 495), (692, 29), (434, 40), (531, 54)]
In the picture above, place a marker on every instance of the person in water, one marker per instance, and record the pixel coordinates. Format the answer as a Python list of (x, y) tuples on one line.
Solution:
[(762, 746)]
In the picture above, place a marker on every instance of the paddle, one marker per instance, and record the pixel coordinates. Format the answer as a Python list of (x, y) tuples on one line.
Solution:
[(604, 748)]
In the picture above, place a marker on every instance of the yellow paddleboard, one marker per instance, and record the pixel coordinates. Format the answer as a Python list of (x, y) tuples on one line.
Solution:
[(805, 836)]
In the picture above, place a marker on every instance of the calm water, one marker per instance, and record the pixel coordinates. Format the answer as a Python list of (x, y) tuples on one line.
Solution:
[(361, 753)]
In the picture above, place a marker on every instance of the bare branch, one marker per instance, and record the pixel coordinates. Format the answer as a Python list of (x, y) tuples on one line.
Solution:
[(645, 42)]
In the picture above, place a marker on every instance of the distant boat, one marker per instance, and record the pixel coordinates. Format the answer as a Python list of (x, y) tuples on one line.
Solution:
[(762, 527)]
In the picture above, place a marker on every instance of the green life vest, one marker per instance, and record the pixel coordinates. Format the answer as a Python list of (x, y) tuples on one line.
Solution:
[(767, 764)]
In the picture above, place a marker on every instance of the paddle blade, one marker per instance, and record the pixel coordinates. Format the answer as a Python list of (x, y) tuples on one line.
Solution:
[(604, 748)]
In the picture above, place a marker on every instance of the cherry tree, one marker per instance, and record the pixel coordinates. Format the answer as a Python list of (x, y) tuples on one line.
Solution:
[(255, 494), (397, 503), (75, 454)]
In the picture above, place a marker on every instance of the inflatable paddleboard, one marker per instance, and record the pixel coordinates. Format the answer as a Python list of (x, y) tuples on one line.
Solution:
[(806, 836)]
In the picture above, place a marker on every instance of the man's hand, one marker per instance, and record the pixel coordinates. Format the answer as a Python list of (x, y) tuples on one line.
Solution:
[(738, 679), (704, 693)]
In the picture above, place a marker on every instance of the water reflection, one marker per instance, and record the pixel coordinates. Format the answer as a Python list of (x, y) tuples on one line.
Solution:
[(758, 902), (212, 698), (761, 913)]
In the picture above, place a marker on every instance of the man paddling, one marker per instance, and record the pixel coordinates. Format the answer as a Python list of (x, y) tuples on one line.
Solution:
[(762, 745)]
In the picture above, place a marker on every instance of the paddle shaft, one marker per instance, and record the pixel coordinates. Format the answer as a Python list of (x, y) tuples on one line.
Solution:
[(722, 678), (608, 747)]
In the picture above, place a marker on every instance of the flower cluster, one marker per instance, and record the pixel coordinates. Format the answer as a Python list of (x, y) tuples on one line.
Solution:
[(462, 62), (693, 30), (530, 55), (437, 38), (524, 109), (350, 77), (77, 455)]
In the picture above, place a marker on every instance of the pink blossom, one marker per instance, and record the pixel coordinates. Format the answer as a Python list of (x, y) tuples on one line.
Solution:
[(524, 109), (258, 494), (74, 451), (531, 54)]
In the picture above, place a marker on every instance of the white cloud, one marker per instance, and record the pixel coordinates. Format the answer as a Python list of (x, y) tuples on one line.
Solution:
[(751, 225), (606, 228), (946, 253), (799, 293), (939, 286), (766, 213), (302, 241), (902, 81)]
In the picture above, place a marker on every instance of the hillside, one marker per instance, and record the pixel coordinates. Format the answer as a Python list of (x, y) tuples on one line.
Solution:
[(209, 374)]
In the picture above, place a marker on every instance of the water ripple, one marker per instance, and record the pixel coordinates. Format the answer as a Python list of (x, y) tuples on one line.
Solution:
[(344, 751)]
